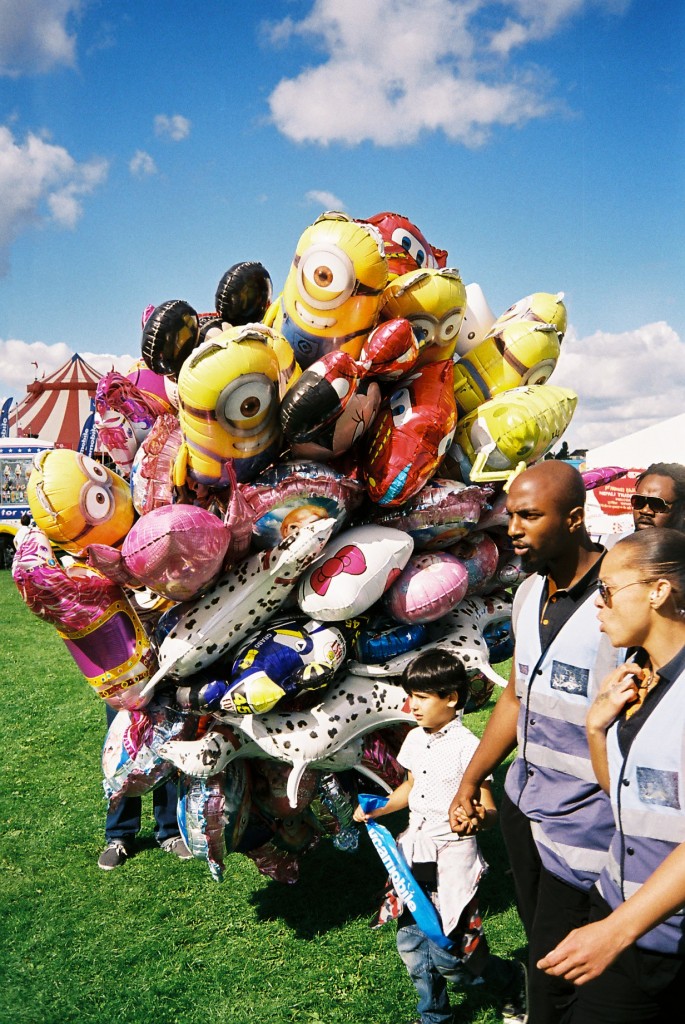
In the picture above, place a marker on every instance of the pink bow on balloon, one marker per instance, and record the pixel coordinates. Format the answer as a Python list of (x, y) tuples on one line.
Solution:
[(349, 559)]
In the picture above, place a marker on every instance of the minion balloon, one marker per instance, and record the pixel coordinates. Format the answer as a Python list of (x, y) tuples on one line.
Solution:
[(513, 353), (433, 301), (77, 501), (520, 425), (229, 390), (333, 290), (543, 307)]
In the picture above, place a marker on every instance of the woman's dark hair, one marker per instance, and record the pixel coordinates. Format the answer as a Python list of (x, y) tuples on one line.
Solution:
[(675, 472), (658, 554), (437, 671)]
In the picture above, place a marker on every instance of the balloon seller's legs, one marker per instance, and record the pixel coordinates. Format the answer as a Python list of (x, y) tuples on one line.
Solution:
[(164, 803), (415, 951), (122, 821), (549, 910)]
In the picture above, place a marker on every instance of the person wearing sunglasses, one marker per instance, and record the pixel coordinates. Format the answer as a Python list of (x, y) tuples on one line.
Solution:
[(555, 818), (659, 498), (629, 961)]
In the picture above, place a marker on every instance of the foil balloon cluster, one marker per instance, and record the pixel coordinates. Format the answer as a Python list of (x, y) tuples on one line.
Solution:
[(293, 496)]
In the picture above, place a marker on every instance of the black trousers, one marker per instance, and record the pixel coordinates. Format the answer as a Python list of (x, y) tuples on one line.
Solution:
[(549, 910), (638, 988)]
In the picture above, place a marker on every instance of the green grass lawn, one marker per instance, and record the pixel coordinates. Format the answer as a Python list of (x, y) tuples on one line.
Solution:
[(157, 940)]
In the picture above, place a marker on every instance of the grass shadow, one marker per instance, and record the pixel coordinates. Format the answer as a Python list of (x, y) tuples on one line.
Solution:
[(333, 888)]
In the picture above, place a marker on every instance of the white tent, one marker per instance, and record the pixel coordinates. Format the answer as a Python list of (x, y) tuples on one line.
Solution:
[(607, 509), (662, 442)]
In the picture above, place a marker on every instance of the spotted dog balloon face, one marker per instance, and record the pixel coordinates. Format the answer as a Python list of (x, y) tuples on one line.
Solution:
[(325, 736), (460, 630)]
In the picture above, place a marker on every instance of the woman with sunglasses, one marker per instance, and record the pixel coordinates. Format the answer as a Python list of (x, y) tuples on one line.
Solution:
[(629, 962), (659, 498)]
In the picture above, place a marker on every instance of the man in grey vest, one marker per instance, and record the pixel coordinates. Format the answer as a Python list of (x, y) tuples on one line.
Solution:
[(556, 820)]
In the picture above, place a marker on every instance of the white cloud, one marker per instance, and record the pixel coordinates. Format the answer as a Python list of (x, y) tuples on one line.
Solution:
[(34, 35), (18, 361), (175, 127), (534, 20), (38, 181), (327, 200), (388, 73), (141, 164), (624, 382)]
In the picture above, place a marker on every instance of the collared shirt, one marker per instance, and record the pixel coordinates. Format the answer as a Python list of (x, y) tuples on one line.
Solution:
[(558, 607), (437, 761), (629, 727)]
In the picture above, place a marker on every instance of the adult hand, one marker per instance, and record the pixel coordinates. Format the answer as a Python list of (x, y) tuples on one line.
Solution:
[(585, 952), (619, 688), (464, 816)]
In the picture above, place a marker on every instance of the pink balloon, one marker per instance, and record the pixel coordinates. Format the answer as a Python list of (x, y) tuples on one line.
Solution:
[(480, 556), (176, 550), (432, 584)]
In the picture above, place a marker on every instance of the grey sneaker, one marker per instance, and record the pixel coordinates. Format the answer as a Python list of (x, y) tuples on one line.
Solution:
[(113, 855), (177, 846)]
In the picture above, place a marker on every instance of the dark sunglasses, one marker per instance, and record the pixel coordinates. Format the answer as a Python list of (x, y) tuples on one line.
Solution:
[(655, 505), (606, 592)]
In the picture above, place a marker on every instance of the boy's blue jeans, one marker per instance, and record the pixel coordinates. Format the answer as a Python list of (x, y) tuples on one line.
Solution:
[(430, 968)]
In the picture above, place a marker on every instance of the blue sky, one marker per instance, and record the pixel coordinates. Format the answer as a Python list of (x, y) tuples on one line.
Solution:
[(145, 147)]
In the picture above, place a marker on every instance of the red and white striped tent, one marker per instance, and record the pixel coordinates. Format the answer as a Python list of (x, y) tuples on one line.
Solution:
[(57, 407)]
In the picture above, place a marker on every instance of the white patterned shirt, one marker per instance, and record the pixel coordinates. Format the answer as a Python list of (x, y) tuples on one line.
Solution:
[(437, 762)]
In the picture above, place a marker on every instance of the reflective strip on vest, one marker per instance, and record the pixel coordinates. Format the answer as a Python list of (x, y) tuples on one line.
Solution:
[(553, 770), (648, 798)]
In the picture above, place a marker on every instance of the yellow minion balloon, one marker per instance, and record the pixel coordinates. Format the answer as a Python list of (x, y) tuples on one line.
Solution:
[(520, 425), (77, 501), (543, 307), (433, 301), (229, 392), (332, 293), (512, 354)]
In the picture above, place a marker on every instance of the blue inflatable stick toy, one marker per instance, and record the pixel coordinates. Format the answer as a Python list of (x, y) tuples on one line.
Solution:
[(405, 885)]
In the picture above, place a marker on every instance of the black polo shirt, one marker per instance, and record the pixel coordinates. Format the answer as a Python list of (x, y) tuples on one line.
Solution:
[(556, 609)]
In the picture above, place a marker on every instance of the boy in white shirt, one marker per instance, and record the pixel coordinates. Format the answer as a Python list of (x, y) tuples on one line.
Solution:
[(447, 865)]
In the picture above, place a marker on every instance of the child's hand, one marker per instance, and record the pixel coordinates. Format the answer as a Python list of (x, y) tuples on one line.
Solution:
[(466, 825), (361, 816)]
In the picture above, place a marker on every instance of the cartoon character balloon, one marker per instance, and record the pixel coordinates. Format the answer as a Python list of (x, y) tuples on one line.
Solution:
[(93, 616), (332, 293), (295, 492), (520, 425), (512, 354), (410, 435), (78, 501), (406, 247), (353, 572), (229, 395), (433, 301), (124, 416)]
